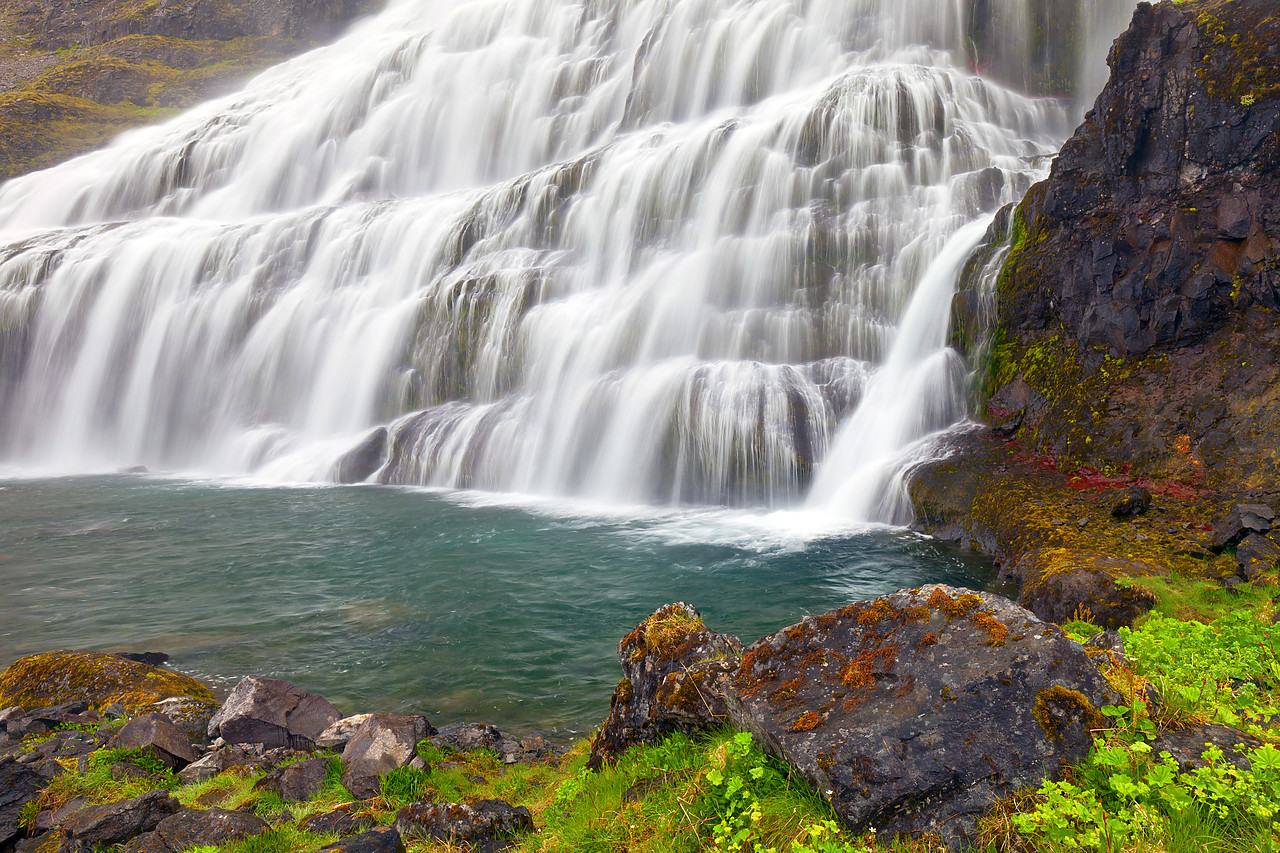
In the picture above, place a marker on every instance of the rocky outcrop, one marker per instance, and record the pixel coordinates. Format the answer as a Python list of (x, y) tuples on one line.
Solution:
[(675, 672), (915, 712), (272, 713), (98, 679)]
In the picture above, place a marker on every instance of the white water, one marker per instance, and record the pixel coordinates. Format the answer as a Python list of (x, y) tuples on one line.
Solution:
[(626, 250)]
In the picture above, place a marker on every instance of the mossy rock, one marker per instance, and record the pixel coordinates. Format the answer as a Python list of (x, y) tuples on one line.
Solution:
[(55, 678)]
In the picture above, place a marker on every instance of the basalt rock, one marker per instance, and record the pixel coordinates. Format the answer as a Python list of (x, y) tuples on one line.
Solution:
[(469, 737), (218, 761), (913, 713), (1256, 556), (1074, 584), (380, 839), (272, 713), (340, 822), (1242, 521), (19, 785), (192, 716), (94, 678), (98, 826), (190, 828), (383, 743), (675, 673), (464, 822), (296, 783), (157, 734)]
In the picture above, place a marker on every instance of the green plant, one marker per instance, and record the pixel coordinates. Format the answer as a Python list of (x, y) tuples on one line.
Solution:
[(734, 799), (403, 786)]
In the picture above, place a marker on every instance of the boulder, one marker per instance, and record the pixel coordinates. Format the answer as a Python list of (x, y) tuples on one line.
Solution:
[(97, 679), (1256, 556), (116, 823), (380, 839), (218, 761), (340, 822), (675, 672), (469, 737), (360, 462), (296, 783), (272, 713), (337, 734), (1187, 746), (19, 785), (914, 712), (1242, 521), (1063, 584), (157, 734), (381, 744), (192, 716), (1135, 501), (197, 828), (466, 823)]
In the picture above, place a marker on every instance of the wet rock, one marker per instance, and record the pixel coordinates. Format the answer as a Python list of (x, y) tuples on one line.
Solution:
[(1063, 584), (1135, 501), (380, 839), (149, 658), (158, 735), (197, 828), (914, 712), (1187, 746), (94, 678), (296, 783), (19, 785), (381, 744), (272, 713), (1256, 556), (360, 463), (340, 822), (115, 823), (467, 823), (675, 672), (192, 716), (1239, 523), (218, 761)]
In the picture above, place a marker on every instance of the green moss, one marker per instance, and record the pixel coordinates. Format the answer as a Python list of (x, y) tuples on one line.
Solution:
[(1055, 706), (54, 678)]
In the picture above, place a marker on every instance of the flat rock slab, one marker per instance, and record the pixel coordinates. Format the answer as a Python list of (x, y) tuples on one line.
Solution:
[(197, 828), (272, 713), (382, 743), (115, 823), (19, 785), (382, 839), (158, 734), (915, 712), (464, 822)]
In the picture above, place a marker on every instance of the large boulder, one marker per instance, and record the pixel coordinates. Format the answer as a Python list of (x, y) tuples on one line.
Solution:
[(99, 679), (382, 743), (675, 672), (466, 823), (95, 827), (157, 734), (192, 716), (915, 712), (272, 713), (1063, 584), (190, 828)]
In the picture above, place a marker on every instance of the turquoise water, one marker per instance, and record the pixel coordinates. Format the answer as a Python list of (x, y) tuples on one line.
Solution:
[(457, 605)]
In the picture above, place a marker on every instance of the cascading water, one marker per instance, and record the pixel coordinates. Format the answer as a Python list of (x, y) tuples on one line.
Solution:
[(634, 250)]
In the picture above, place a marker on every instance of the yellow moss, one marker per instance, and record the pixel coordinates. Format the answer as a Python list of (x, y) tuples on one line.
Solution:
[(1055, 704), (55, 678)]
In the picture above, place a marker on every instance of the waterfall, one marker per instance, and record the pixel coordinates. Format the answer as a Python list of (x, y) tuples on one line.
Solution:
[(690, 251)]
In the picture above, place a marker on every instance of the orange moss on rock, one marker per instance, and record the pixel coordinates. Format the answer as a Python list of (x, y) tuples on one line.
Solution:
[(55, 678), (808, 721)]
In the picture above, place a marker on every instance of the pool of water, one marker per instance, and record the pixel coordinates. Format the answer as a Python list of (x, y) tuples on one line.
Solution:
[(454, 604)]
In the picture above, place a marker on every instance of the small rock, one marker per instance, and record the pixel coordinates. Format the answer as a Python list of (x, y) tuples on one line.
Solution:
[(1187, 746), (149, 658), (272, 713), (1256, 555), (340, 822), (380, 839), (296, 783), (123, 770), (19, 785), (463, 822), (192, 716), (217, 761), (381, 744), (1135, 501), (157, 734)]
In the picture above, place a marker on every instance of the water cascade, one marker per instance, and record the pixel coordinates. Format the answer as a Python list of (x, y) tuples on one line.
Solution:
[(690, 251)]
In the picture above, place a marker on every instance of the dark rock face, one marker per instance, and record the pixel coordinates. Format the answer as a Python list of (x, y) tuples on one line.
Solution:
[(1240, 522), (197, 828), (115, 823), (675, 672), (464, 822), (157, 733), (381, 839), (272, 713), (19, 785), (341, 822), (213, 763), (296, 783), (381, 744), (1257, 556), (359, 463), (1160, 217), (914, 712)]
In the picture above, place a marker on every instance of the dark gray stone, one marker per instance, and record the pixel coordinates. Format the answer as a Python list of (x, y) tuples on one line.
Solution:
[(467, 823), (359, 463), (381, 839), (1239, 523), (1135, 501), (191, 716), (914, 712), (217, 761), (340, 822), (157, 734), (1187, 746), (116, 823), (381, 744), (1256, 556), (197, 828), (272, 713), (19, 785), (296, 783)]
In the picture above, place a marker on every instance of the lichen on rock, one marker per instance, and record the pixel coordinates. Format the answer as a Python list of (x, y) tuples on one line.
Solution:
[(101, 679)]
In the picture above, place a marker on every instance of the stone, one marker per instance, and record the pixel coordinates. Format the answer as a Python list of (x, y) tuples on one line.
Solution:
[(197, 828), (157, 734), (149, 658), (380, 839), (1135, 501), (1187, 745), (296, 783), (675, 673), (340, 822), (1242, 521), (467, 823), (1256, 555), (19, 785), (218, 761), (116, 823), (914, 712), (272, 713), (99, 680), (469, 737), (192, 716), (1109, 644), (360, 463), (341, 731), (1063, 584), (381, 744)]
